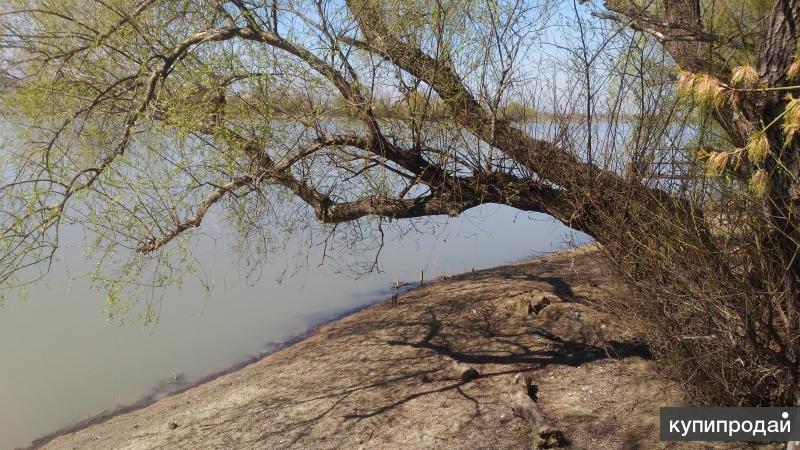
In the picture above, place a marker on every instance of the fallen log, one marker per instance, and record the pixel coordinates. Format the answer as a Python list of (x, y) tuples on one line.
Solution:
[(523, 406), (454, 371)]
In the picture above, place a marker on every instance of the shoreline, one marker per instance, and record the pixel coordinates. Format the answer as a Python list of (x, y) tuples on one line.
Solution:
[(315, 327), (157, 395), (364, 380)]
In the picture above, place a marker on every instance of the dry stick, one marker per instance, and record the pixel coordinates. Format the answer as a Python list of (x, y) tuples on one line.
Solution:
[(524, 407), (455, 371)]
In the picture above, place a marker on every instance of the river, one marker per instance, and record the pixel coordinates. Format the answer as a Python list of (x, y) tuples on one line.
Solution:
[(64, 362)]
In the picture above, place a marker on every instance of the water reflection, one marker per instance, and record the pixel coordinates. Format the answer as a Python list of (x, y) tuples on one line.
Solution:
[(63, 362)]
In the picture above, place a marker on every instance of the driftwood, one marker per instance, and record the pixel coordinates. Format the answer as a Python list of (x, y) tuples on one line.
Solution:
[(523, 406), (454, 371)]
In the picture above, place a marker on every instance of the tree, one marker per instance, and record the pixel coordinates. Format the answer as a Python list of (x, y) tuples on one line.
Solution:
[(141, 118)]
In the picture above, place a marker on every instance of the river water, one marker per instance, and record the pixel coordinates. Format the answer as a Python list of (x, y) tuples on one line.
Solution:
[(64, 362)]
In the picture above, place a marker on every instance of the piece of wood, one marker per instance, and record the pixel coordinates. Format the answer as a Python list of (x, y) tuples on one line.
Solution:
[(539, 303), (526, 304), (462, 371), (522, 305), (523, 406), (454, 371)]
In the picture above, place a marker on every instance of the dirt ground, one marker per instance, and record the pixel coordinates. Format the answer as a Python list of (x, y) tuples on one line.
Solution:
[(356, 383)]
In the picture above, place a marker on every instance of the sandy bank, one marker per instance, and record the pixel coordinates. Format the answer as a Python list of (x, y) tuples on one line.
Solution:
[(356, 382)]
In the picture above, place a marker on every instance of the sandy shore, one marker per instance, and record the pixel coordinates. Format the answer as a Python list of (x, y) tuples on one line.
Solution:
[(356, 383)]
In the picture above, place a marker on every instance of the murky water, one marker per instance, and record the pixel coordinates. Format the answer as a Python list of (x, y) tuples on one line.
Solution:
[(63, 362)]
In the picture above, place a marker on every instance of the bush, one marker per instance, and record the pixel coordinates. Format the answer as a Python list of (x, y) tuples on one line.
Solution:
[(709, 303), (518, 112)]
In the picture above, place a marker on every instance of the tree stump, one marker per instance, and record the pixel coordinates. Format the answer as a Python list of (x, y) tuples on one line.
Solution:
[(523, 406), (526, 304), (539, 303), (522, 305)]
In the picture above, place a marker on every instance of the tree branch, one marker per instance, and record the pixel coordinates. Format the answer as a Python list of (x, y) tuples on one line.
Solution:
[(664, 31), (194, 221), (596, 186), (680, 30)]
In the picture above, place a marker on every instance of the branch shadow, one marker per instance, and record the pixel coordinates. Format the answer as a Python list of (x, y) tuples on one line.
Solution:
[(565, 352), (365, 392)]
